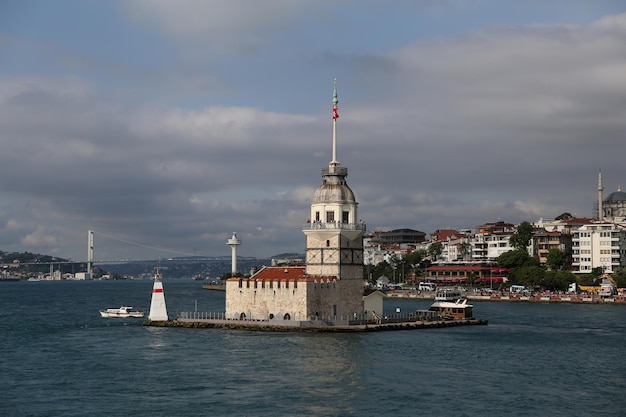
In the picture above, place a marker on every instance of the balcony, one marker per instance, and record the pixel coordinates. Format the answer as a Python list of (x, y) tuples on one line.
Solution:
[(334, 226), (335, 170)]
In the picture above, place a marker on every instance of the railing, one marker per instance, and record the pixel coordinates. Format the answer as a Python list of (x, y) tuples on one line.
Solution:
[(335, 170), (334, 225), (317, 321)]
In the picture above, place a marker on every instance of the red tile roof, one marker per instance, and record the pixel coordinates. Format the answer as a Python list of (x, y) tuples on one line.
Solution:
[(289, 273)]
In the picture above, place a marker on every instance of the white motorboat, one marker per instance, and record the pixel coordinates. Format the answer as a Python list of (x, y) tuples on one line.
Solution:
[(448, 294), (122, 312)]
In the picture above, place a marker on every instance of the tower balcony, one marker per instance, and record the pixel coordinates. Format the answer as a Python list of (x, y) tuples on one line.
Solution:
[(334, 226), (335, 170)]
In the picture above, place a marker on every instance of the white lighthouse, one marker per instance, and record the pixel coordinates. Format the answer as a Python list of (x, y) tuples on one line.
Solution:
[(158, 309), (233, 242)]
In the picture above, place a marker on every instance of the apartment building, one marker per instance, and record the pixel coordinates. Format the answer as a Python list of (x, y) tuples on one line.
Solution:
[(598, 245), (491, 240)]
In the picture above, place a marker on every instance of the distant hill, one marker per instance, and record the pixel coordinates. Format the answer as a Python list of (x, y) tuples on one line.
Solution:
[(199, 267)]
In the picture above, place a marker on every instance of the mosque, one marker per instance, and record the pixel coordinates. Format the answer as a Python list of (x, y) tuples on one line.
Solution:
[(613, 208), (330, 284)]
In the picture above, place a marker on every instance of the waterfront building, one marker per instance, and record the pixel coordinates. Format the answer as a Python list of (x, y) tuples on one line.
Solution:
[(330, 284), (598, 245), (466, 274), (543, 241), (491, 240), (455, 245), (379, 246)]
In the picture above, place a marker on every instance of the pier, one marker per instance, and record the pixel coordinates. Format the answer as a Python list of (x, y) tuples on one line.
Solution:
[(314, 325)]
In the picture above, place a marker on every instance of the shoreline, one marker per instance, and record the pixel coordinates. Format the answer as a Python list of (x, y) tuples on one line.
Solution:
[(515, 298)]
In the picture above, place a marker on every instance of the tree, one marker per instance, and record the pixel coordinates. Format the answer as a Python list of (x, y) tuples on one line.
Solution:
[(465, 249), (558, 280), (434, 250), (514, 259), (522, 236), (555, 259), (416, 257), (530, 276), (620, 277), (564, 216), (471, 278)]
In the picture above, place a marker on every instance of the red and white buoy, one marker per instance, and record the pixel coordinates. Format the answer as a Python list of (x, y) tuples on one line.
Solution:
[(158, 309)]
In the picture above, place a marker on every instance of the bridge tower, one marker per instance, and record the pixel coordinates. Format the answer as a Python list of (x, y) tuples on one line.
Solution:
[(88, 275)]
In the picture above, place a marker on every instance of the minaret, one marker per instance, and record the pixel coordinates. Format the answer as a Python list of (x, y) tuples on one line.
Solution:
[(233, 242), (334, 236), (158, 309), (600, 197)]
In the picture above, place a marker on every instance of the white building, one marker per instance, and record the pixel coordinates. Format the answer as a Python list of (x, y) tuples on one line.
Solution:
[(598, 245)]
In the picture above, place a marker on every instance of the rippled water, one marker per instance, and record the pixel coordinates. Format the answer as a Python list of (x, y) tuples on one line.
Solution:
[(59, 358)]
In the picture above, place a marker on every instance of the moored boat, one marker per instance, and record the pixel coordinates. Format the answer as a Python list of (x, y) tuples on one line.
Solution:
[(447, 294), (451, 305), (122, 312)]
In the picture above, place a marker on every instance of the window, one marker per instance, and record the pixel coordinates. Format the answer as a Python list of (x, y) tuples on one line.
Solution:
[(330, 216), (317, 216), (344, 218)]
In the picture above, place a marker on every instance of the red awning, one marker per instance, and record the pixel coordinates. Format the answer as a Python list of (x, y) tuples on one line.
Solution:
[(490, 279)]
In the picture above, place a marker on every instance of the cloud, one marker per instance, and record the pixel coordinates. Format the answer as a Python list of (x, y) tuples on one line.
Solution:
[(220, 26), (508, 122)]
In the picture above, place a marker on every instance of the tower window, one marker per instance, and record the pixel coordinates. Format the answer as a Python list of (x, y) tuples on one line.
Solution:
[(330, 216), (327, 243), (344, 218), (317, 216)]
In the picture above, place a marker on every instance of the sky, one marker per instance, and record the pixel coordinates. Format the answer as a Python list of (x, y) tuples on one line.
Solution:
[(165, 126)]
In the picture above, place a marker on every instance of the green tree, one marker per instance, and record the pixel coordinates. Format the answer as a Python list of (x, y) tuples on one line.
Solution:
[(521, 238), (555, 259), (529, 276), (471, 279), (434, 250), (465, 249), (620, 277), (416, 257), (514, 259), (558, 280)]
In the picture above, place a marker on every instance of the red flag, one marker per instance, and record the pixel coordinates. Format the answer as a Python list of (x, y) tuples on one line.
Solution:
[(335, 114)]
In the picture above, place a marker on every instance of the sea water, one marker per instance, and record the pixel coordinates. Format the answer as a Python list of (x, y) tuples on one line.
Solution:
[(58, 357)]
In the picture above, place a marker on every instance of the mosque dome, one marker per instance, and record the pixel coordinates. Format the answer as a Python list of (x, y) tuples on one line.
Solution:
[(617, 196)]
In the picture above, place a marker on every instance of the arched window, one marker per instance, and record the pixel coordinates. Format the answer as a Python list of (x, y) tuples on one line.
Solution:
[(287, 316)]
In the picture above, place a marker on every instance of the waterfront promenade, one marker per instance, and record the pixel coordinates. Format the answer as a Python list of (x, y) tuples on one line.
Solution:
[(505, 296)]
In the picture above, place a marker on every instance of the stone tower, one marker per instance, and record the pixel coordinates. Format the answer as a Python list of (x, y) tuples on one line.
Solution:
[(334, 235), (330, 286)]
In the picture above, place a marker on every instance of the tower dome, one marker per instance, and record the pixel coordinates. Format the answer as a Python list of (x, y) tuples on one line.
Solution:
[(334, 188)]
